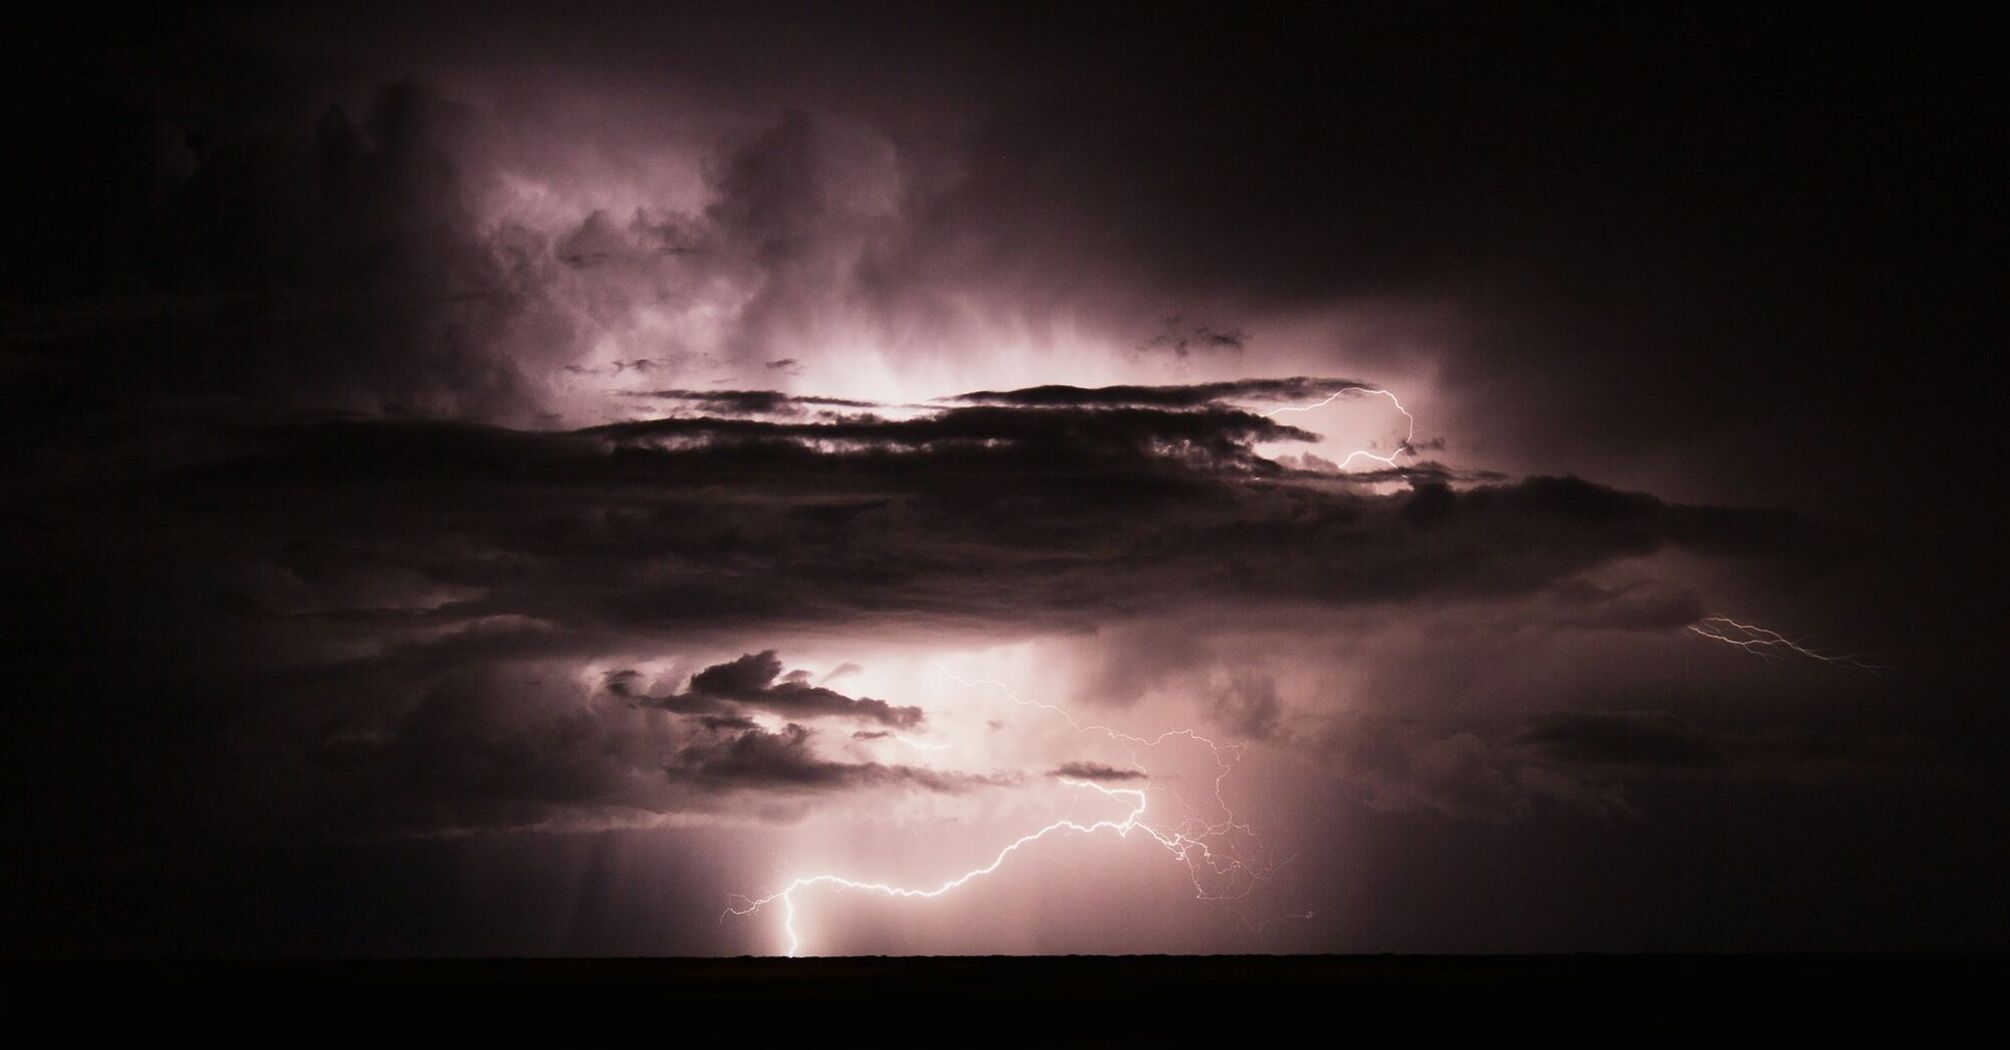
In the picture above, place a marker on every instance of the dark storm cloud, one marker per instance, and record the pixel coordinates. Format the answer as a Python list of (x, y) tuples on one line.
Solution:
[(369, 226), (1181, 341), (1633, 607), (513, 743), (1645, 740), (747, 523), (596, 241), (1096, 771), (785, 761), (380, 577), (1248, 706), (1308, 466), (498, 744), (1547, 174), (750, 681), (326, 259), (1585, 759), (362, 585), (1215, 432), (747, 678), (749, 402), (332, 263), (756, 682), (1086, 523), (1191, 395), (621, 683)]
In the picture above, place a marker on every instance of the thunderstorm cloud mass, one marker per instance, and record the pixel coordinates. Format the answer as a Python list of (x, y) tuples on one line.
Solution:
[(879, 479)]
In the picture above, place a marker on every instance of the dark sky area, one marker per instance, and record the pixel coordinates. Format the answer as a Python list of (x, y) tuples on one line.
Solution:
[(483, 479)]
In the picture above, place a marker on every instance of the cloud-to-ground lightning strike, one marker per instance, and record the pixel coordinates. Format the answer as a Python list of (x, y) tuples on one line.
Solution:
[(1768, 643), (1188, 843), (1130, 822), (1409, 434)]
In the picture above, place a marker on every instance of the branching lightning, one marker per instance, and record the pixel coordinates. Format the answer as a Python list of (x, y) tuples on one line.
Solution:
[(1194, 841), (1130, 822), (1405, 448), (1770, 644)]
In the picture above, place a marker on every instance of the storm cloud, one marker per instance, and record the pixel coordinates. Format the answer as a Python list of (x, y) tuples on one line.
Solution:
[(472, 425), (1096, 771), (750, 682), (783, 760), (421, 563), (1586, 759)]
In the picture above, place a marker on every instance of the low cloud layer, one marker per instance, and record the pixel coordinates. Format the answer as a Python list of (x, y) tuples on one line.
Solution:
[(423, 596), (1585, 759)]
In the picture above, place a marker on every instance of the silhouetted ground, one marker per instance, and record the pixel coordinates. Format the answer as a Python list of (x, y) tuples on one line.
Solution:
[(1070, 999)]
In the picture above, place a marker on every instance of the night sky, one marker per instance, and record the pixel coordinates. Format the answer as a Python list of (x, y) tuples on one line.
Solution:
[(702, 480)]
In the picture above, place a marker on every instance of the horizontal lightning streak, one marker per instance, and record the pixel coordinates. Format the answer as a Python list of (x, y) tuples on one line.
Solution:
[(1409, 434), (1768, 643)]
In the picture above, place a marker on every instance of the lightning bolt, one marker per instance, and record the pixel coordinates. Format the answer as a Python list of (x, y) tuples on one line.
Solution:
[(1130, 822), (1409, 434), (1189, 842), (1768, 643)]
